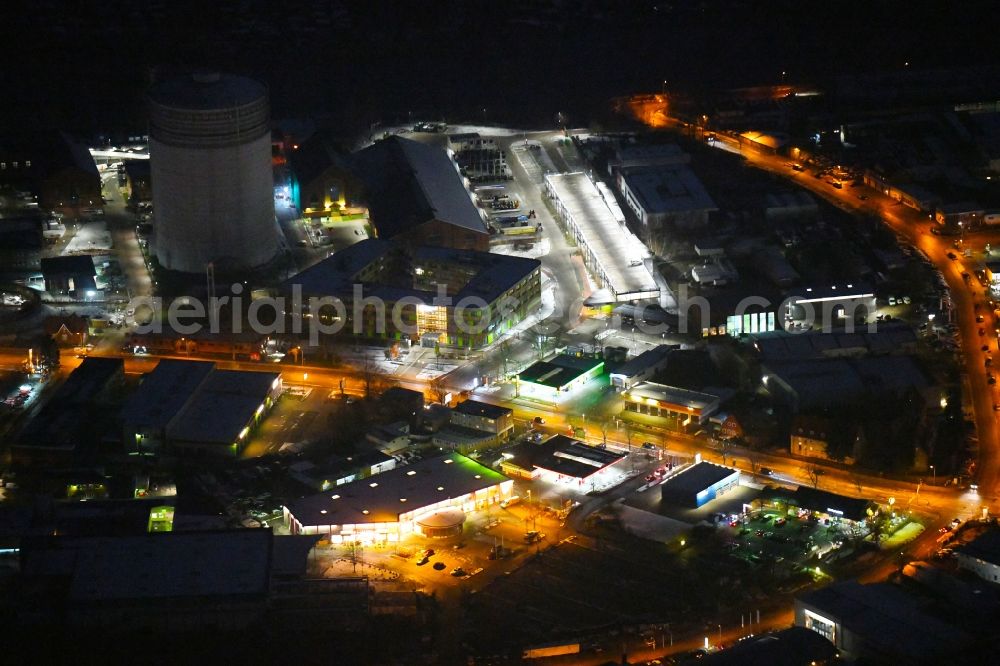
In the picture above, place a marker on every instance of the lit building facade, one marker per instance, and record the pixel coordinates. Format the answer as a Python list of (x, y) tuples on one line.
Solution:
[(677, 407), (457, 298), (400, 502)]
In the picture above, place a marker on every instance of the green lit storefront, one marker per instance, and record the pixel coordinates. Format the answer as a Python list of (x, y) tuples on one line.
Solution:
[(555, 378)]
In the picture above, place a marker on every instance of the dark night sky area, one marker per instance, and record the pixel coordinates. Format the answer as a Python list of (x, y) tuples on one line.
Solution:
[(84, 66)]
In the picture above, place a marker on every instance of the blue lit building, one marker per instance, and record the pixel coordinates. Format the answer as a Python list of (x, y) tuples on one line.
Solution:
[(699, 484)]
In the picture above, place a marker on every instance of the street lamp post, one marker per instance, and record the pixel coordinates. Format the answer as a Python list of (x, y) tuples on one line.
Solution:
[(720, 634), (934, 474)]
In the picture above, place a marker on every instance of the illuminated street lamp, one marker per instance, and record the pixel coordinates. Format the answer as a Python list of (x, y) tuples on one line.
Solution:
[(934, 473)]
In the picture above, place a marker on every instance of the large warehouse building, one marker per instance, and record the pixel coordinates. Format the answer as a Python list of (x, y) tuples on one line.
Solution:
[(191, 407), (430, 497), (416, 195), (565, 460), (490, 293), (555, 378), (613, 254), (210, 157), (699, 484)]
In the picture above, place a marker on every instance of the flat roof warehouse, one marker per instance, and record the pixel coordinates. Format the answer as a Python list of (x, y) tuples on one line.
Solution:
[(384, 497), (562, 455), (613, 252), (668, 188), (696, 478), (559, 371)]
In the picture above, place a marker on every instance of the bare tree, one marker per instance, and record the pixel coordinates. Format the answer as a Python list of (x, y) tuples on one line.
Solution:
[(725, 448), (370, 376), (629, 434), (437, 390), (505, 357), (813, 473), (753, 457), (857, 480)]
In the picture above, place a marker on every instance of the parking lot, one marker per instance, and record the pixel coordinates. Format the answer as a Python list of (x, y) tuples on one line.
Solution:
[(494, 541), (774, 538)]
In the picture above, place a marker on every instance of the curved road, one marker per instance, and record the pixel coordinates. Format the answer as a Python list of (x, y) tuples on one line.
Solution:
[(914, 228)]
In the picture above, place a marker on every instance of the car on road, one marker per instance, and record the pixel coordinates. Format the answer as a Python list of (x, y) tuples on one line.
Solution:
[(996, 407), (982, 332), (766, 471), (458, 571), (538, 420), (952, 256), (979, 319), (423, 560), (649, 446), (991, 380)]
